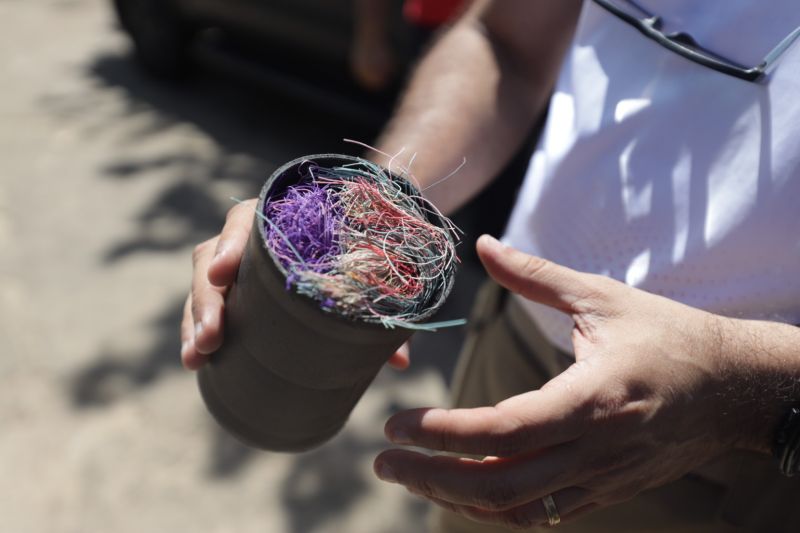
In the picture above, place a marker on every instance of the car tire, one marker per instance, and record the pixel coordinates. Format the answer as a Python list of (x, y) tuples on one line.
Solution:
[(160, 38)]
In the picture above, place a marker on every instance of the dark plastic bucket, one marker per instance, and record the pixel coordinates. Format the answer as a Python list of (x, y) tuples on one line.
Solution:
[(288, 373)]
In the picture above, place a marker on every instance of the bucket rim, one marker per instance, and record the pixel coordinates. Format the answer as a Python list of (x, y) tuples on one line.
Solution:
[(437, 219)]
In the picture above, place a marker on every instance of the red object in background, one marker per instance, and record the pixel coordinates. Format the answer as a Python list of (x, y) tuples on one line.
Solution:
[(430, 13)]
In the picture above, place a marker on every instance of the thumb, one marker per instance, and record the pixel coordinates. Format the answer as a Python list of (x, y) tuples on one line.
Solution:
[(537, 279)]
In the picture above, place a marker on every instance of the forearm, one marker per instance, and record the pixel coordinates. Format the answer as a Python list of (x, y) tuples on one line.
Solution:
[(762, 361), (475, 96), (460, 104)]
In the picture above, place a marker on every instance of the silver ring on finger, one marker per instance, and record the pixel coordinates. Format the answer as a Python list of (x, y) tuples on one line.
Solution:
[(553, 518)]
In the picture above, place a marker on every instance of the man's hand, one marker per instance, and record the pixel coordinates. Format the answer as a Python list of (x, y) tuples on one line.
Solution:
[(654, 392), (215, 265)]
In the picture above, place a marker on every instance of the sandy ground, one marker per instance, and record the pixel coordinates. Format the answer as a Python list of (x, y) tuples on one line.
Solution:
[(107, 180)]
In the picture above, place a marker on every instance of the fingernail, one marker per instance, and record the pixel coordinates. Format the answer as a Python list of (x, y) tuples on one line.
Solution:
[(198, 329), (185, 348), (399, 436), (491, 241), (386, 473), (222, 249)]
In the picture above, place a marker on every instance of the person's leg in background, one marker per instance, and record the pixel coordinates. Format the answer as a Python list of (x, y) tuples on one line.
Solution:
[(372, 59)]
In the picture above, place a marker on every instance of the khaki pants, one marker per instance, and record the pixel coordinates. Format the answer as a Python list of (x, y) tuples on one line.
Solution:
[(505, 355)]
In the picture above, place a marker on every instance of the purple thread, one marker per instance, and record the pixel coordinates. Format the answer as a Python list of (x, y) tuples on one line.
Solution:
[(309, 218)]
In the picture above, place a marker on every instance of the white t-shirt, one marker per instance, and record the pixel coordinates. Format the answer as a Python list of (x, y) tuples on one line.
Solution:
[(667, 175)]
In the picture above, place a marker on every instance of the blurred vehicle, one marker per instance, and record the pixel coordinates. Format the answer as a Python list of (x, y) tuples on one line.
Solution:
[(301, 48), (303, 45)]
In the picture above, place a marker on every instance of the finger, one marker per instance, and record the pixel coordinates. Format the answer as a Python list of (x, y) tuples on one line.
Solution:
[(232, 241), (190, 357), (401, 358), (530, 421), (538, 279), (491, 484), (570, 502), (441, 503), (207, 301)]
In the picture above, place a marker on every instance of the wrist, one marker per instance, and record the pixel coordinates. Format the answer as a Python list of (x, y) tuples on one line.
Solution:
[(760, 365)]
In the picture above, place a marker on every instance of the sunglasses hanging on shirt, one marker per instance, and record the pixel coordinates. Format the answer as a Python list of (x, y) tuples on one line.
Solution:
[(684, 44)]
